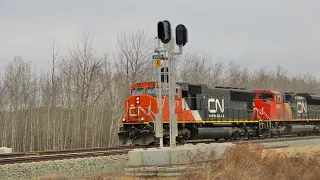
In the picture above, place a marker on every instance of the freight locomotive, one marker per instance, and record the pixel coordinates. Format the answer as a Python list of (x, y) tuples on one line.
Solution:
[(218, 113)]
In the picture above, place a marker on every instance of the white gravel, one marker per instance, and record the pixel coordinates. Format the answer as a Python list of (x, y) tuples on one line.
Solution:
[(294, 143), (71, 168)]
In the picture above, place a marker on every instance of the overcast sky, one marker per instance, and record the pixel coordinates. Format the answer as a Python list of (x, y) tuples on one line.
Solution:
[(253, 33)]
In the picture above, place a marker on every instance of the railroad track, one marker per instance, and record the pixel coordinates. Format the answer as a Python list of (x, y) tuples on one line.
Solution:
[(28, 159), (65, 151), (37, 156), (64, 154)]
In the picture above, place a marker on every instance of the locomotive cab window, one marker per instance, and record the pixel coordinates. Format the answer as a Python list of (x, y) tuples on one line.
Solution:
[(154, 91), (137, 91), (266, 97), (151, 91)]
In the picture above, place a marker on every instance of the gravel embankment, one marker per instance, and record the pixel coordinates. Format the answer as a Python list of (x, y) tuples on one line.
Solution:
[(71, 168), (75, 168), (296, 143)]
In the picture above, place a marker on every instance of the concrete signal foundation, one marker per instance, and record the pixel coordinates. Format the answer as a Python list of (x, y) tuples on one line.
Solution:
[(5, 150), (172, 161)]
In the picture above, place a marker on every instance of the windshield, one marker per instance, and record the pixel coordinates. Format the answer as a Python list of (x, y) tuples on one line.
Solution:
[(151, 91), (266, 96), (137, 91), (154, 91)]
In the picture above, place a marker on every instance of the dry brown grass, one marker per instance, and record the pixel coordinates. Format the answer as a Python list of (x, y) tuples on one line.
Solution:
[(252, 162)]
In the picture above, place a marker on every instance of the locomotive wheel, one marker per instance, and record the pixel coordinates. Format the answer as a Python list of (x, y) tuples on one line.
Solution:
[(236, 135), (180, 140)]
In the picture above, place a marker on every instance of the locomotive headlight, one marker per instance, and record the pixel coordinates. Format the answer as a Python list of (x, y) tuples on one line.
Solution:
[(123, 120), (142, 119), (138, 98), (137, 102)]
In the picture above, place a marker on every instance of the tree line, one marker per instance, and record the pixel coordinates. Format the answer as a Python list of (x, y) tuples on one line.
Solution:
[(79, 102)]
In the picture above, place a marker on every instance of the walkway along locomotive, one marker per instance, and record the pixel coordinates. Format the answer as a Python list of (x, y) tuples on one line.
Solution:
[(218, 113)]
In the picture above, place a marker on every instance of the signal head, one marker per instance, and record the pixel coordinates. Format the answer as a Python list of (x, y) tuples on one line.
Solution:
[(160, 30), (164, 31), (181, 35)]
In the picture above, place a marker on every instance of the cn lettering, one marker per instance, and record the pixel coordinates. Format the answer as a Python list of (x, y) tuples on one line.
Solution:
[(217, 104), (136, 111), (301, 107)]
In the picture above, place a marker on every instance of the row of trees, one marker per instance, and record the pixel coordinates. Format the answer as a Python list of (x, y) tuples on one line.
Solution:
[(79, 102), (195, 68)]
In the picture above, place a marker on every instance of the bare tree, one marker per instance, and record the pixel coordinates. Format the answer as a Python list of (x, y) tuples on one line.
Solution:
[(19, 87), (133, 57), (85, 70), (193, 68), (216, 73)]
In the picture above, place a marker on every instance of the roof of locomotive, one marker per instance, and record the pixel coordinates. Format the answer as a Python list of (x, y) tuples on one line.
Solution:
[(309, 96), (185, 86), (267, 91), (146, 84)]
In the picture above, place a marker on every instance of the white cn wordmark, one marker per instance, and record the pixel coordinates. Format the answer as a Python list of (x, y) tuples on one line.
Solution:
[(217, 104)]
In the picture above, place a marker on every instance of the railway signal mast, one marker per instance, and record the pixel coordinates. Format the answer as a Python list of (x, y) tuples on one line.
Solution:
[(166, 74)]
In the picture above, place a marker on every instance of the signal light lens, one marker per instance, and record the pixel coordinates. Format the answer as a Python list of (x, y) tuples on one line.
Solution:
[(181, 35), (164, 31)]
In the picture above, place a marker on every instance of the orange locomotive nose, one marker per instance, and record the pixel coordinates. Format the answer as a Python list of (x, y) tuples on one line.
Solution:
[(141, 108)]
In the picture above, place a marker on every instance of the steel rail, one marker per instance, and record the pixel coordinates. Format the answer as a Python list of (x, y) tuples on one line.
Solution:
[(65, 151), (95, 152), (28, 159)]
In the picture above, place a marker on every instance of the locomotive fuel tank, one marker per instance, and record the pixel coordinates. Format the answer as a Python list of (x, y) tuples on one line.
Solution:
[(300, 129), (211, 133)]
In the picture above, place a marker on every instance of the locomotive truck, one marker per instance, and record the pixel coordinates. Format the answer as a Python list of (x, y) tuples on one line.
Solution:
[(218, 113)]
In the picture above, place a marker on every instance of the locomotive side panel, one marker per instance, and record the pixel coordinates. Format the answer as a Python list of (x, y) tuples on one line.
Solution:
[(313, 112), (311, 107), (304, 106), (214, 104), (299, 108), (228, 104), (239, 111), (242, 104), (217, 103)]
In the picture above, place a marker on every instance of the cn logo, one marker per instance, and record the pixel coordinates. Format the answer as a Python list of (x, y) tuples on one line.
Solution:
[(215, 104), (301, 107), (136, 111)]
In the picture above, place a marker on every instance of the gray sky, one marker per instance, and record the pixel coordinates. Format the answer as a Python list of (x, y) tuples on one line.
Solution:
[(252, 33)]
